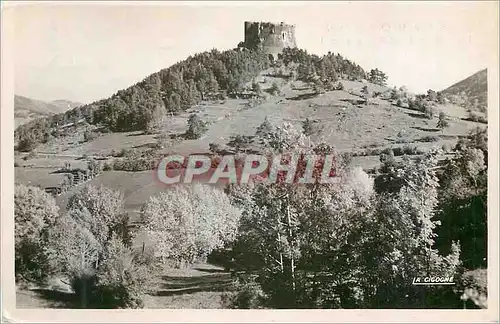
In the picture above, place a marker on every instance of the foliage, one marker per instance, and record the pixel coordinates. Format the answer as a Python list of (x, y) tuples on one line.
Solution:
[(463, 199), (143, 105), (264, 129), (475, 117), (122, 280), (35, 212), (248, 294), (135, 161), (474, 286), (343, 245), (310, 127), (275, 89), (442, 122), (90, 246), (214, 148), (328, 68), (187, 223), (378, 77), (283, 138), (196, 127), (240, 142), (429, 138)]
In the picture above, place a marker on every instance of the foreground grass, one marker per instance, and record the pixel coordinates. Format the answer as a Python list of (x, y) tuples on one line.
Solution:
[(200, 287)]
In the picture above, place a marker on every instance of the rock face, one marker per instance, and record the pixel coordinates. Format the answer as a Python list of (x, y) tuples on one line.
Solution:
[(269, 37)]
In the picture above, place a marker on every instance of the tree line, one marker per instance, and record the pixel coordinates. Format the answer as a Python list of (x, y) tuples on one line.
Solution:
[(144, 105)]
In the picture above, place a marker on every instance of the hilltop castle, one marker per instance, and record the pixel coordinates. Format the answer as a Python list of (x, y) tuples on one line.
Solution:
[(269, 37)]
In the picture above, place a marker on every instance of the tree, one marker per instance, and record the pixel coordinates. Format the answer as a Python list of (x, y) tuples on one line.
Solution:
[(264, 129), (75, 252), (27, 143), (377, 77), (294, 234), (275, 89), (405, 226), (428, 109), (122, 279), (442, 122), (343, 246), (87, 245), (196, 127), (309, 127), (256, 88), (284, 139), (432, 95), (100, 210), (240, 142), (188, 222), (35, 212), (214, 148)]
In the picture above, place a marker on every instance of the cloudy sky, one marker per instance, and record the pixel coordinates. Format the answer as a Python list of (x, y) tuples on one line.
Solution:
[(87, 51)]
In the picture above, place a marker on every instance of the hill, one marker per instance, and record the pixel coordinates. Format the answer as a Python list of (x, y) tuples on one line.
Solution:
[(27, 109), (471, 92)]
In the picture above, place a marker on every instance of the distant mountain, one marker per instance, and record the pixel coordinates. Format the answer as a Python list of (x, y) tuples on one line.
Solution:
[(470, 89), (26, 109)]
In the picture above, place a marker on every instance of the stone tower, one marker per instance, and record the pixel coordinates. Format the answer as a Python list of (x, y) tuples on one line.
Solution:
[(269, 37)]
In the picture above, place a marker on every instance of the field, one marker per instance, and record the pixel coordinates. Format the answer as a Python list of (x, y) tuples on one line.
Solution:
[(346, 124)]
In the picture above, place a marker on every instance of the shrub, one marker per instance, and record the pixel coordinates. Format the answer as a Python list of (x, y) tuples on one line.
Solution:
[(35, 212), (26, 144), (442, 122), (120, 281), (90, 245), (88, 135), (447, 147), (275, 89), (107, 167), (405, 150), (477, 118), (429, 138), (196, 127), (248, 294), (214, 148)]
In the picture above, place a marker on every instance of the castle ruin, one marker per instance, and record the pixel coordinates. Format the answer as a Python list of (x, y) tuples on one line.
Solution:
[(269, 37)]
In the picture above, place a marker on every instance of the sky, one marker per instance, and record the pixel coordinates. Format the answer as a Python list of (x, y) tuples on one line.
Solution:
[(86, 51)]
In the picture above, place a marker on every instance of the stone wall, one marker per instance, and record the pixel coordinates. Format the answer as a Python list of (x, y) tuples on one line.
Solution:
[(271, 38)]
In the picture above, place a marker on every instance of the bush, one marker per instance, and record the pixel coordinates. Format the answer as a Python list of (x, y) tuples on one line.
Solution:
[(134, 161), (26, 144), (88, 135), (35, 212), (120, 281), (214, 148), (196, 127), (429, 139), (247, 294), (405, 150), (477, 118), (275, 89), (90, 245), (107, 167)]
